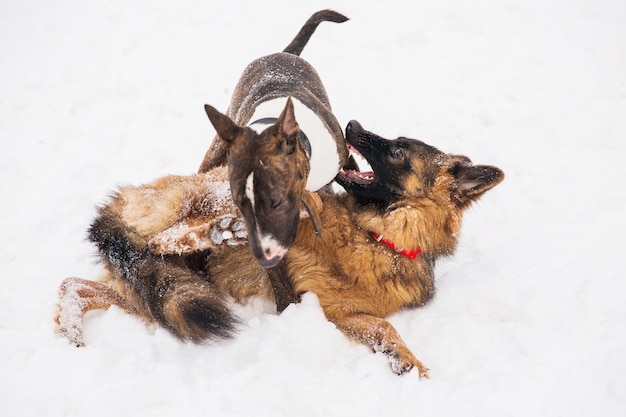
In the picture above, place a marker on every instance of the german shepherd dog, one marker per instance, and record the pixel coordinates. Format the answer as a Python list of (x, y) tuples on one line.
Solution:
[(382, 237), (376, 254)]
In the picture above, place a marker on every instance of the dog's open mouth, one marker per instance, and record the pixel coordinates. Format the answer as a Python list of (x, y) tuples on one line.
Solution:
[(357, 169)]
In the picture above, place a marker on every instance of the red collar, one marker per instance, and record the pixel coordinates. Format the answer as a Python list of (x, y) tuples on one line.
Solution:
[(409, 253)]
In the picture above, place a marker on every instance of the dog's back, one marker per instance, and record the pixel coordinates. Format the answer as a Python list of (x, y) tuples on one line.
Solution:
[(280, 75), (285, 74)]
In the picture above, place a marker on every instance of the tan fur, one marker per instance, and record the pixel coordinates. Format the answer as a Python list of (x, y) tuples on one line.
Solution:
[(357, 280), (153, 216), (433, 222), (154, 207)]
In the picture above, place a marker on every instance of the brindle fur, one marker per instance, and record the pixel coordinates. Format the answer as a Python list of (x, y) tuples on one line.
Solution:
[(278, 164), (272, 157)]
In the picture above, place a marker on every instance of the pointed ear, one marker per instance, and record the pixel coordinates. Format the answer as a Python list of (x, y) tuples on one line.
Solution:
[(287, 121), (473, 180), (224, 126)]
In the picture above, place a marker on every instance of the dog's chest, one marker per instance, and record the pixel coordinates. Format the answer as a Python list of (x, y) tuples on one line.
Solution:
[(323, 156)]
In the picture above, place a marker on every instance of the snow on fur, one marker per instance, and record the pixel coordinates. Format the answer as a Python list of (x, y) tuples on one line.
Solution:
[(528, 318)]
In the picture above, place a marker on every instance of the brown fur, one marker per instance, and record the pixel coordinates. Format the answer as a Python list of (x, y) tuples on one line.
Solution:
[(164, 266), (184, 292), (415, 198), (358, 280)]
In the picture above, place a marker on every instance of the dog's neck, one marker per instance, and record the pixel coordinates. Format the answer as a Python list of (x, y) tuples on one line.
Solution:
[(409, 253), (322, 149)]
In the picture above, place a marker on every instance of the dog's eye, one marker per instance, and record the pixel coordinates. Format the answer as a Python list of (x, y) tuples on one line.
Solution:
[(278, 203), (398, 153)]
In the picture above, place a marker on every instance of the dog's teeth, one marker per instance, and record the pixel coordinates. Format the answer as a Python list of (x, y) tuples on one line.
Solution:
[(360, 161), (379, 238)]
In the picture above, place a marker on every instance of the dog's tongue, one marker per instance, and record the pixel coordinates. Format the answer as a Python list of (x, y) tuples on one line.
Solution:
[(358, 176)]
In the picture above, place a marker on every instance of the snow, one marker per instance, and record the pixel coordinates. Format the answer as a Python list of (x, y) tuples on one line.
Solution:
[(529, 316)]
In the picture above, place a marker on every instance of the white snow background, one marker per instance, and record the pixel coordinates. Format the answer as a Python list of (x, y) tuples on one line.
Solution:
[(529, 318)]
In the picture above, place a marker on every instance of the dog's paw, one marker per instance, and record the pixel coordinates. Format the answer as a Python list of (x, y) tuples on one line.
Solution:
[(181, 238), (403, 361), (70, 311), (402, 366), (198, 234), (230, 231)]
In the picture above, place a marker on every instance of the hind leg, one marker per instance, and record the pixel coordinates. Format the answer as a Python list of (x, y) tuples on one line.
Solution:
[(78, 296)]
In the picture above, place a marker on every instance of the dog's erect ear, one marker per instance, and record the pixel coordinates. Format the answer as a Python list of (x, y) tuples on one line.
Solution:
[(473, 180), (286, 128), (224, 126), (286, 122)]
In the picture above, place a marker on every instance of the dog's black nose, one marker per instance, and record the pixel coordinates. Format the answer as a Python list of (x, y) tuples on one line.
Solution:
[(354, 126)]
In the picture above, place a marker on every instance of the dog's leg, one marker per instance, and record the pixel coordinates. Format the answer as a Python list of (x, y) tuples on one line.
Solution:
[(198, 234), (381, 336), (78, 296)]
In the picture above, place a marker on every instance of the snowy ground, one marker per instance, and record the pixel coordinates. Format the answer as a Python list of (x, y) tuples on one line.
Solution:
[(529, 318)]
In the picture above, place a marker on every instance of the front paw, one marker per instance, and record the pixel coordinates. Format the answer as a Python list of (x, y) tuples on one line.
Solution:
[(181, 239), (403, 361), (198, 234), (403, 365), (70, 310), (229, 231)]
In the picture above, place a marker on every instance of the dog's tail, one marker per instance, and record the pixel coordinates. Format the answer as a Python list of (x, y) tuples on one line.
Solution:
[(175, 294), (299, 42)]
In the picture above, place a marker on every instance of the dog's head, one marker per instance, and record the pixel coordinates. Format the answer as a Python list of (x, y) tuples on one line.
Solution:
[(408, 167), (407, 173), (267, 174)]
